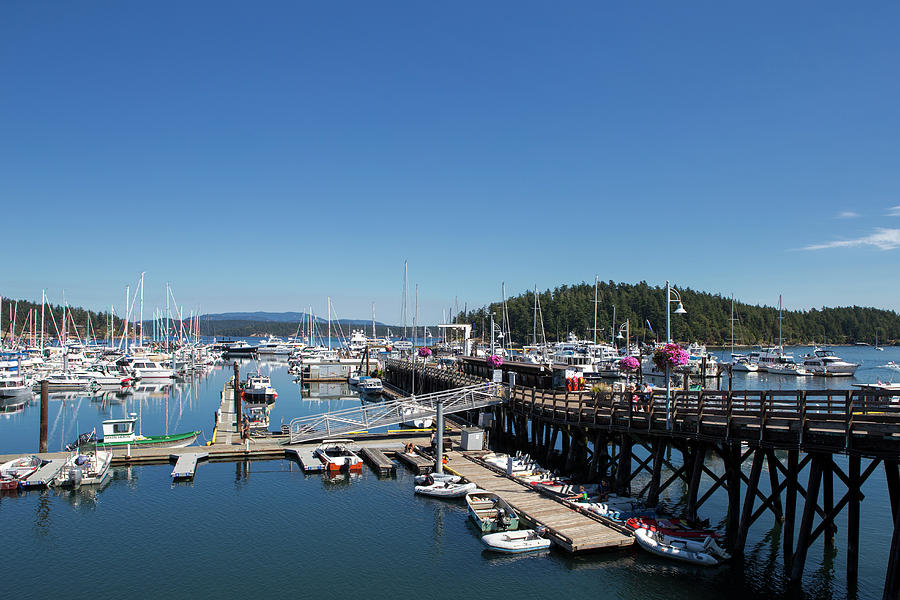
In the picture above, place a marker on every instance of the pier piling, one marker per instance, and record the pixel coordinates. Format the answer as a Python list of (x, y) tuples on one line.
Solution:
[(44, 407)]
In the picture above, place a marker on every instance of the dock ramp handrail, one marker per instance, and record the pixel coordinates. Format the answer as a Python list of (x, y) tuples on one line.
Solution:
[(394, 412)]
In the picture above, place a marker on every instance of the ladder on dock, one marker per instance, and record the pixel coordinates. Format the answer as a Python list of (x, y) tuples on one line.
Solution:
[(186, 464), (370, 416)]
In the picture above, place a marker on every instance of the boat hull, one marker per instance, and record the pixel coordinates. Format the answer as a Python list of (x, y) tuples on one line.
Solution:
[(158, 441)]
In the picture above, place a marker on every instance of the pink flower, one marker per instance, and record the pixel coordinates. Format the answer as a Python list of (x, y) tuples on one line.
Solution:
[(629, 364), (672, 355), (495, 360), (424, 352)]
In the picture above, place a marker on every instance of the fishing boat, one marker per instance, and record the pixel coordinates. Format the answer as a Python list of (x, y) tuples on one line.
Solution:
[(258, 390), (490, 512), (516, 542), (118, 433), (704, 553), (445, 489), (337, 456)]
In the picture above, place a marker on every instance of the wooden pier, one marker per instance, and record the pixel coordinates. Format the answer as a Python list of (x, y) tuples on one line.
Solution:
[(569, 528), (795, 434)]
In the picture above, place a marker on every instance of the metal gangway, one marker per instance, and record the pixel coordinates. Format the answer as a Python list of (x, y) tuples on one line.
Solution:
[(393, 412)]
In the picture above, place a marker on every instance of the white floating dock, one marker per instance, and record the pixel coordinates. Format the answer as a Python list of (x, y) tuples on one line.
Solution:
[(45, 473), (307, 460), (186, 464)]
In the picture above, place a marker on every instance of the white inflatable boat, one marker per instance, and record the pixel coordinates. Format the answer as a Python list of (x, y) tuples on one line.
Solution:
[(706, 553), (442, 489), (515, 542)]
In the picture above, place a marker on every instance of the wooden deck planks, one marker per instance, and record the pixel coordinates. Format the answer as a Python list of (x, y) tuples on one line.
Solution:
[(567, 527)]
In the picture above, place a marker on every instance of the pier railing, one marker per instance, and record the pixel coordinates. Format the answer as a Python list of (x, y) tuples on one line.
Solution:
[(373, 415), (864, 422)]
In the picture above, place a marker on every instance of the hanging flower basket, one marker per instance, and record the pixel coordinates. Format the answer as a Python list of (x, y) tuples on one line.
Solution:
[(671, 355), (424, 352), (629, 364), (495, 360)]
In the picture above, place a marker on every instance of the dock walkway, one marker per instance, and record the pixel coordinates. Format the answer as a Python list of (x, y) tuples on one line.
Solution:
[(568, 528)]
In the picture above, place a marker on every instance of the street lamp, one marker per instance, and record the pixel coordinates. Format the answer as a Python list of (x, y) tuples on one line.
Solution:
[(627, 327), (670, 292)]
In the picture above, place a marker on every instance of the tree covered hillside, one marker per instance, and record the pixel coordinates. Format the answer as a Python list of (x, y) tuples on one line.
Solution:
[(571, 308)]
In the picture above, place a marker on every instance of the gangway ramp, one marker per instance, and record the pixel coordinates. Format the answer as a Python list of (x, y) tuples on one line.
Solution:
[(393, 412)]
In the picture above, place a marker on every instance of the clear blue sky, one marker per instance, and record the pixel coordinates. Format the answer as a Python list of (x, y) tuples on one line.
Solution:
[(262, 156)]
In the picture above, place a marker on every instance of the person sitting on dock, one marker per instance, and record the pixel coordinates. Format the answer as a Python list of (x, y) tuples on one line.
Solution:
[(410, 448), (603, 490)]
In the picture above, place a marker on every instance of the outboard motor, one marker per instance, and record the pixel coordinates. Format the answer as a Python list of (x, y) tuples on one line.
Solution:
[(75, 477)]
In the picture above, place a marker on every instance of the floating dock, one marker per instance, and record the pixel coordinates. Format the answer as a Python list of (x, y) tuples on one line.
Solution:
[(308, 461), (419, 464), (378, 460), (186, 464), (570, 529), (45, 473)]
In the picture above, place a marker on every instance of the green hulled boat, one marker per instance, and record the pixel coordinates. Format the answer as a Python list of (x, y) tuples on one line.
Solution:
[(118, 433)]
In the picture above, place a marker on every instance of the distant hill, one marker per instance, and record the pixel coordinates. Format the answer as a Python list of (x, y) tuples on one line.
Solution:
[(276, 317)]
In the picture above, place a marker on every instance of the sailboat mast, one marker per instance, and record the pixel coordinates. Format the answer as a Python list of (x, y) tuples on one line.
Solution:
[(329, 322), (534, 321), (373, 320), (732, 326), (596, 282), (141, 322)]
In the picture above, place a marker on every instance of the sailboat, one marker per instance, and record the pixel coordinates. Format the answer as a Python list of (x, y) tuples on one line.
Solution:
[(739, 362)]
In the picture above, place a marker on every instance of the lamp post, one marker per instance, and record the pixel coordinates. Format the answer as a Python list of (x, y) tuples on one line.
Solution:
[(670, 291), (627, 327)]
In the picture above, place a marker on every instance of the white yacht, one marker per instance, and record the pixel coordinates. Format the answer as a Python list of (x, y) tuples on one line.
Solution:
[(273, 345), (13, 380), (825, 363), (370, 385), (358, 341), (142, 368)]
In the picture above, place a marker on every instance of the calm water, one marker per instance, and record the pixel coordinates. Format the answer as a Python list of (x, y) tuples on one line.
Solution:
[(266, 528)]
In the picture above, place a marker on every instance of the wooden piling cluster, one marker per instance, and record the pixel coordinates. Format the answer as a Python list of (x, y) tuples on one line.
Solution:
[(604, 436)]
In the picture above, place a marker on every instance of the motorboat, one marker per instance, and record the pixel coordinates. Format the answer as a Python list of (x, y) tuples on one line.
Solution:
[(20, 468), (65, 382), (336, 455), (490, 512), (239, 348), (417, 422), (516, 542), (87, 465), (106, 375), (787, 366), (258, 390), (696, 552), (119, 433), (445, 489), (372, 385), (257, 416), (521, 463), (358, 341), (741, 362), (825, 363), (13, 380), (274, 346)]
